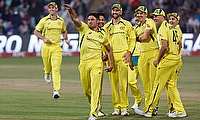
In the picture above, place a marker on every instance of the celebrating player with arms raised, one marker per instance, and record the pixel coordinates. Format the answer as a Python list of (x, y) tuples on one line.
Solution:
[(91, 66)]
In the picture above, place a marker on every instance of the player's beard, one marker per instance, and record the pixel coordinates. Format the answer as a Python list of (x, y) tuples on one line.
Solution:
[(115, 16)]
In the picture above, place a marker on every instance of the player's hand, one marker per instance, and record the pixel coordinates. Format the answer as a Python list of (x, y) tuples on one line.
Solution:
[(128, 59), (105, 57), (68, 7), (47, 41), (109, 69), (67, 41), (155, 63)]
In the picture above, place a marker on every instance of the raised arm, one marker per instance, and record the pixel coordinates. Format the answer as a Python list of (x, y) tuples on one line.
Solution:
[(73, 15)]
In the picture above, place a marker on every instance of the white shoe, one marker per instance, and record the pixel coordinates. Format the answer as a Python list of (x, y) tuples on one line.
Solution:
[(135, 106), (147, 115), (116, 113), (47, 78), (92, 117), (100, 113), (139, 112), (56, 94), (124, 113), (170, 112), (174, 115)]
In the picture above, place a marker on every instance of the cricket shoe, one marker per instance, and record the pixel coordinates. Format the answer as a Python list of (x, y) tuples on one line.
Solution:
[(124, 113), (139, 112), (177, 115), (136, 106), (47, 78), (170, 112), (142, 113), (116, 113), (147, 115), (92, 117), (101, 113), (155, 111), (56, 94)]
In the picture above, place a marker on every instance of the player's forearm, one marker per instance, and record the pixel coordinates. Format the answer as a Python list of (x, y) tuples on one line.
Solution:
[(131, 45), (64, 34), (73, 15), (144, 36), (111, 58), (110, 55), (38, 34), (161, 53), (180, 47)]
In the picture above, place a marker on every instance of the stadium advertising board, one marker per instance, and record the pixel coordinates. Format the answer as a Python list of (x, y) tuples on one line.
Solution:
[(20, 46)]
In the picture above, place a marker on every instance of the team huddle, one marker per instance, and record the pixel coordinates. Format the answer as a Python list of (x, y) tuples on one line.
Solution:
[(150, 49)]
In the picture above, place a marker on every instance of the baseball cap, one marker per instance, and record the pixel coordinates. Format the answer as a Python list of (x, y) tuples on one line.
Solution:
[(142, 8), (52, 3), (117, 6), (173, 14), (158, 12)]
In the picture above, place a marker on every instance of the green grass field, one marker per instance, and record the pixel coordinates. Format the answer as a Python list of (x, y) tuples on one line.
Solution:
[(25, 96)]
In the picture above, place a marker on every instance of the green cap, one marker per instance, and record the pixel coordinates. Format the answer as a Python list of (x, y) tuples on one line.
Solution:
[(53, 4), (142, 8), (158, 12), (173, 14), (117, 6)]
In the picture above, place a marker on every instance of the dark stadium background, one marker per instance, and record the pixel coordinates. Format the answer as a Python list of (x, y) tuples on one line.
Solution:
[(19, 17)]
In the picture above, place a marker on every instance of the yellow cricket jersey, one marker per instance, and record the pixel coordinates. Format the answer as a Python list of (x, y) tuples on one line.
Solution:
[(120, 36), (179, 35), (51, 29), (153, 42), (92, 48), (179, 32), (168, 32)]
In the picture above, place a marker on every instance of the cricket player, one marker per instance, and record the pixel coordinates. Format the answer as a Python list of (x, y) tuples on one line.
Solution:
[(133, 74), (166, 63), (49, 29), (146, 33), (176, 105), (91, 41), (122, 41), (101, 24)]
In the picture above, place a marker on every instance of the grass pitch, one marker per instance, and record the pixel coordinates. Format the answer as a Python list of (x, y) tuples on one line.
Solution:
[(25, 95)]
